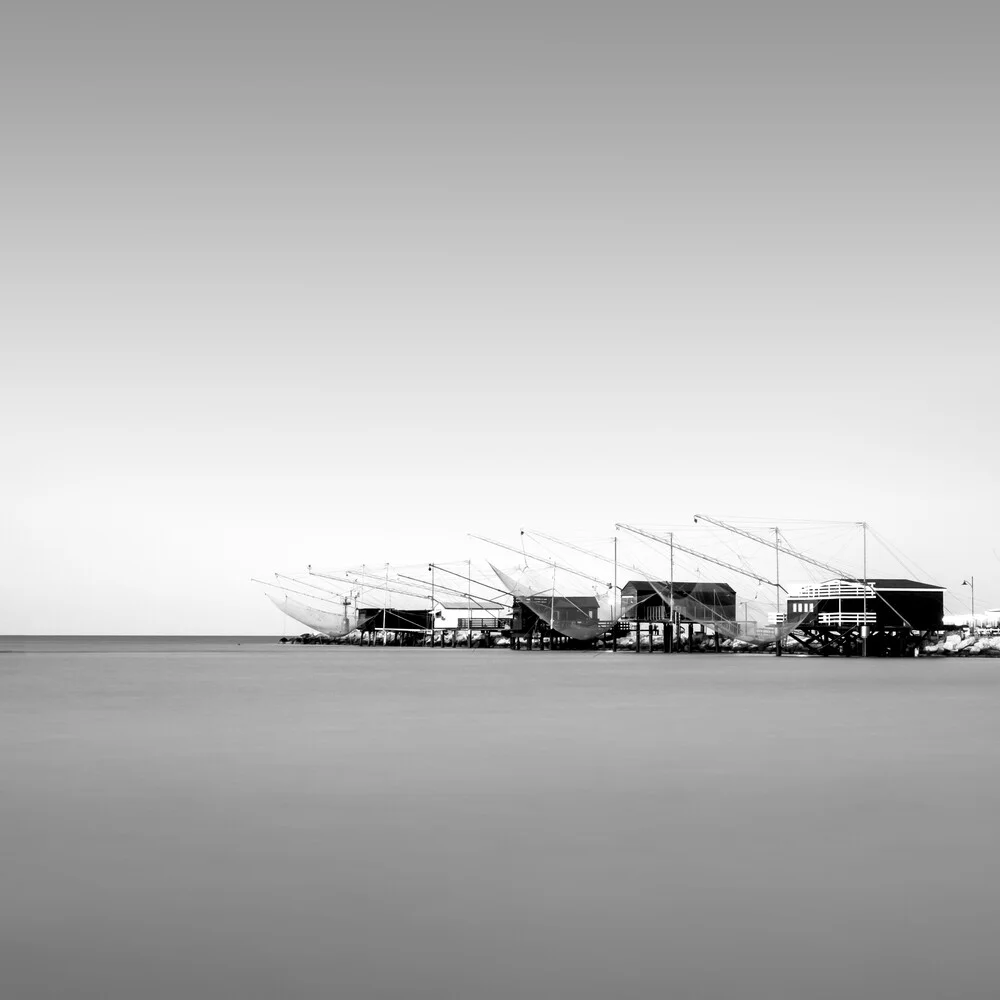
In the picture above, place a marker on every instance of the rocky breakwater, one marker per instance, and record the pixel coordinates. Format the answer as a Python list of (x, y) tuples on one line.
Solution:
[(963, 644)]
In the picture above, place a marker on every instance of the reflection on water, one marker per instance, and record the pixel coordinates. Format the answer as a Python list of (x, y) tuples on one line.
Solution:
[(199, 818)]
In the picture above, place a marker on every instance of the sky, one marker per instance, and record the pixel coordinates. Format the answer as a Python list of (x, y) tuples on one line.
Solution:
[(302, 283)]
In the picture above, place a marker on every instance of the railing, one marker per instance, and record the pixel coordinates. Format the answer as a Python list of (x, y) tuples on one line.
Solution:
[(826, 618), (640, 614), (841, 618), (484, 624), (702, 616), (836, 588)]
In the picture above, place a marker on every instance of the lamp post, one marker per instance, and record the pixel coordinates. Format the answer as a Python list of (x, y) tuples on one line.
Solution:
[(971, 584)]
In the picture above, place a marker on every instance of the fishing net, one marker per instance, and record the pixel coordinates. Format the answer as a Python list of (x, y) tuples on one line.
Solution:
[(331, 623), (552, 599), (645, 563)]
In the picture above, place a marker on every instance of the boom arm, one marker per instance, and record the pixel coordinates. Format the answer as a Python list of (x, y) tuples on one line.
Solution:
[(377, 585), (699, 555), (544, 561), (781, 548)]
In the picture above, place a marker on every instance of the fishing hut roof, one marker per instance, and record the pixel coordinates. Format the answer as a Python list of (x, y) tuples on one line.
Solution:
[(464, 605), (679, 585), (887, 583), (374, 601), (561, 600)]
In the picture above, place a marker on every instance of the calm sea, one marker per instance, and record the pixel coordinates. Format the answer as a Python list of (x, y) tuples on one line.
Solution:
[(219, 818)]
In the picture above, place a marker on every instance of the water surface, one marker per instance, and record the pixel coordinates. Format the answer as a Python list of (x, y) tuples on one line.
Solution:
[(231, 817)]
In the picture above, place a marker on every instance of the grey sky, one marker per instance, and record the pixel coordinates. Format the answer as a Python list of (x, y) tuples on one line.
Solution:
[(292, 283)]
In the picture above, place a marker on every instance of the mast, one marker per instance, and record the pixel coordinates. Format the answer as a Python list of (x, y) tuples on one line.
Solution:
[(614, 604), (864, 599), (430, 566), (777, 597), (470, 604), (690, 644), (385, 601)]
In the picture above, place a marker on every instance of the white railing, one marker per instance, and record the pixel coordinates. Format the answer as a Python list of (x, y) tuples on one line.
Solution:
[(484, 623), (834, 589), (843, 618)]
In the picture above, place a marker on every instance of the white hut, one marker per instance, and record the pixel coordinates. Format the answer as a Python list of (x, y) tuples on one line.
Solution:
[(454, 613)]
